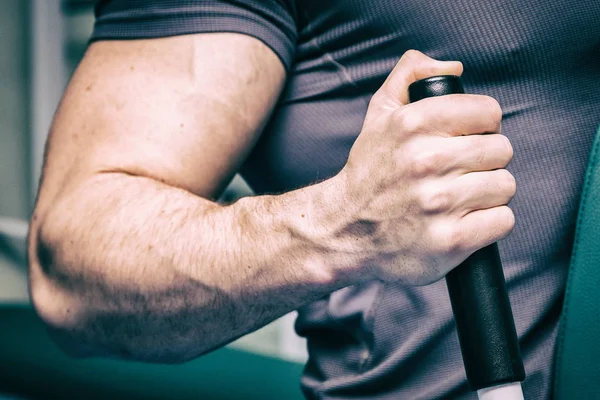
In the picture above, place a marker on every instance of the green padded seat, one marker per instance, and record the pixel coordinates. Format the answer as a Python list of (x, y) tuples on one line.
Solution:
[(578, 356)]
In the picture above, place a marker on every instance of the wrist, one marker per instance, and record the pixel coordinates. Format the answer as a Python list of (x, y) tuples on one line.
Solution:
[(300, 229), (327, 226)]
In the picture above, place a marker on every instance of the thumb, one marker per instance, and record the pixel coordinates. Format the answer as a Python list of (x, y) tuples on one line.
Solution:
[(413, 65)]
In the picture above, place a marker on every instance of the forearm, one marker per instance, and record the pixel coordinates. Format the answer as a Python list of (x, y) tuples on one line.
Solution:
[(133, 268)]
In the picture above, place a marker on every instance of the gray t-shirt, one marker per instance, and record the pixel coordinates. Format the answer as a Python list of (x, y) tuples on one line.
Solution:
[(539, 58)]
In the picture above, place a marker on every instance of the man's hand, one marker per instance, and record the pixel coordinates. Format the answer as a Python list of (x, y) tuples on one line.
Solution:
[(424, 186)]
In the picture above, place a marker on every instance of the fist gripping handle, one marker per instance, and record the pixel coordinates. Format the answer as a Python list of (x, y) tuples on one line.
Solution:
[(484, 320)]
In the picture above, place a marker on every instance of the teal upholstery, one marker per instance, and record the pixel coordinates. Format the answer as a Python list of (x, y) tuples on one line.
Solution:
[(32, 366), (578, 357)]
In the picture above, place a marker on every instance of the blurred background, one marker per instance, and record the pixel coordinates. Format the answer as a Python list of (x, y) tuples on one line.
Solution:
[(41, 43)]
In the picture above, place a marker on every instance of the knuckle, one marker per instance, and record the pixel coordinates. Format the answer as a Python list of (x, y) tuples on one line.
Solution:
[(505, 221), (408, 120), (509, 219), (509, 148), (448, 240), (508, 182), (453, 244), (412, 55), (479, 149), (434, 199), (426, 163), (493, 109)]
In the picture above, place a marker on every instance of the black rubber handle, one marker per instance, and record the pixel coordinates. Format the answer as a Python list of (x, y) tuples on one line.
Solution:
[(484, 320)]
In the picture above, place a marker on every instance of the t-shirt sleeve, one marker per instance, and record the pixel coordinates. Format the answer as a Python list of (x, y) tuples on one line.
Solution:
[(271, 21)]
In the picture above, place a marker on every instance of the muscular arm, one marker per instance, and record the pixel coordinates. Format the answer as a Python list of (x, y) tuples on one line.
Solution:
[(129, 257)]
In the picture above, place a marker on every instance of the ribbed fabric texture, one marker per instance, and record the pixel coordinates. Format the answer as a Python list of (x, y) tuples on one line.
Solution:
[(540, 59)]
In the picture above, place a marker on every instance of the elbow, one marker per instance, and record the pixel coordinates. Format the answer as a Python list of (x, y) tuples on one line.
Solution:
[(61, 320), (49, 286), (64, 318), (81, 330), (80, 320)]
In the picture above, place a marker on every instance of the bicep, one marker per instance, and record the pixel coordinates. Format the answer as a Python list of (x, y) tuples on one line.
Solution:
[(183, 110)]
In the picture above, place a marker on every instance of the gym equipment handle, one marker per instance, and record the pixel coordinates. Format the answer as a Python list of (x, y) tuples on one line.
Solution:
[(484, 321)]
